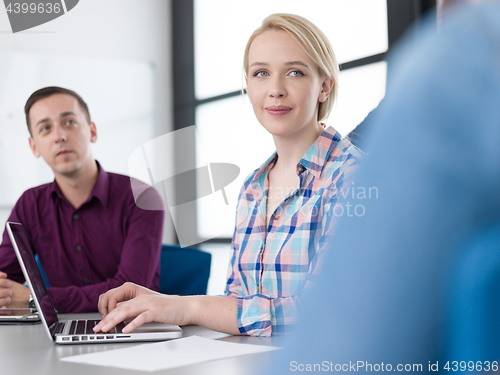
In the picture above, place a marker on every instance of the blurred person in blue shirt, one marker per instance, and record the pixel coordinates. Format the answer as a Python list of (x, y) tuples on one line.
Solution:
[(383, 297)]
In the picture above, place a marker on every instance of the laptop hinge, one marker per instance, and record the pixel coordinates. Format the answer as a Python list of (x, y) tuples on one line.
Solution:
[(52, 330)]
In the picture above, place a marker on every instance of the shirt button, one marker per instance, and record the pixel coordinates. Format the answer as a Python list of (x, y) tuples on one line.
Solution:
[(79, 248), (86, 280), (300, 169), (75, 216), (276, 216)]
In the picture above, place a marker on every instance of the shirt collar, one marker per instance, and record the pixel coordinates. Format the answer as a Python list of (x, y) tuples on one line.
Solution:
[(264, 169), (313, 160), (100, 189), (259, 179), (316, 157)]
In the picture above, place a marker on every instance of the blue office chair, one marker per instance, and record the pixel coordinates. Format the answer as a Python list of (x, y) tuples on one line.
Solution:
[(474, 300), (184, 271)]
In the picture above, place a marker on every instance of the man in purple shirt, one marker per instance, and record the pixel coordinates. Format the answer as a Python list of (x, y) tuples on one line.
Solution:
[(85, 226)]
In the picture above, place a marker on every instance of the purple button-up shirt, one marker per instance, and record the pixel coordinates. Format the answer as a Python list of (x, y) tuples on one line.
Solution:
[(87, 251)]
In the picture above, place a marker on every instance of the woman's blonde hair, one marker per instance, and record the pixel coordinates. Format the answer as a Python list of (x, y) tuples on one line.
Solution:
[(315, 44)]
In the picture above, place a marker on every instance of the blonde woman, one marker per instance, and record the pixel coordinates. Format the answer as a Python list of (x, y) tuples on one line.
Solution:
[(285, 207)]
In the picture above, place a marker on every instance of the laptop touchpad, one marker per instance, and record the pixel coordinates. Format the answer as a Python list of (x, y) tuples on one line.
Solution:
[(156, 327)]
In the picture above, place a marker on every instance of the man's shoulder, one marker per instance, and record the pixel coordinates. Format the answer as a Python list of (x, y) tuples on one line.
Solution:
[(125, 183), (142, 194), (117, 178), (32, 202), (35, 193)]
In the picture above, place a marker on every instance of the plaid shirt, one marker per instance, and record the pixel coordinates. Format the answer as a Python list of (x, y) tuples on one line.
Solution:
[(269, 269)]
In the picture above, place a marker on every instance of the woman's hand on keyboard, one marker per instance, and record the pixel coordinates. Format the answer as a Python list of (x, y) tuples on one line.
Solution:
[(139, 305)]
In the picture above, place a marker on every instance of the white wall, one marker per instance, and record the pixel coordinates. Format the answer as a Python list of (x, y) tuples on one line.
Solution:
[(131, 30)]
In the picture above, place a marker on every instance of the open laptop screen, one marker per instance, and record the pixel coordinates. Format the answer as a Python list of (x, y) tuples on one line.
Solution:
[(34, 275)]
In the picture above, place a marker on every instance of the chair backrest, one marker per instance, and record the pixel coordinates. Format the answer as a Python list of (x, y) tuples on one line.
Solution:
[(473, 323), (184, 271)]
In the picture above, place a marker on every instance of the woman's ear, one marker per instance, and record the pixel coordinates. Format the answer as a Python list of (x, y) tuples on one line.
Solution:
[(326, 88)]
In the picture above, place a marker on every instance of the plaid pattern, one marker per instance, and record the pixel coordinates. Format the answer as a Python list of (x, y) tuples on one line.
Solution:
[(269, 269)]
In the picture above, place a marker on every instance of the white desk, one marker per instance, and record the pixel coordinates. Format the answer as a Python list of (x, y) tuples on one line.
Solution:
[(27, 349)]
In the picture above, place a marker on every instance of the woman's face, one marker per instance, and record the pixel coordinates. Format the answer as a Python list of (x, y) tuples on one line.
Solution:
[(284, 84)]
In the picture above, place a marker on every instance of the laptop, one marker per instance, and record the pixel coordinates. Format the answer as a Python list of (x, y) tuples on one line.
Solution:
[(18, 316), (75, 331)]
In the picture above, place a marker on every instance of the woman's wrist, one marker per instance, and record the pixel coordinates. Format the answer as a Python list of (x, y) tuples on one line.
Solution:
[(193, 308)]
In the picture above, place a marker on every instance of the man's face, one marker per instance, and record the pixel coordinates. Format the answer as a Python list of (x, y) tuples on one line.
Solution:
[(61, 133)]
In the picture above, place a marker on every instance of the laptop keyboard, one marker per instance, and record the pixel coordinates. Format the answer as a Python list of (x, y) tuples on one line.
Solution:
[(59, 328), (85, 327)]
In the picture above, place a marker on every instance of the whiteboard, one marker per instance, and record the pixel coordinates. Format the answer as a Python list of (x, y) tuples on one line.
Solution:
[(120, 96)]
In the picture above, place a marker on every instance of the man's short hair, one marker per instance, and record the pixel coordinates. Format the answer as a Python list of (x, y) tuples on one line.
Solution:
[(49, 91)]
